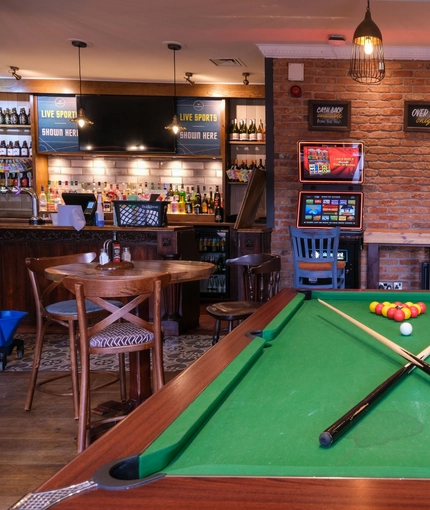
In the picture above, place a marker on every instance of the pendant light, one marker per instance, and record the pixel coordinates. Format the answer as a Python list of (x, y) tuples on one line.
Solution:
[(81, 119), (367, 52), (174, 125)]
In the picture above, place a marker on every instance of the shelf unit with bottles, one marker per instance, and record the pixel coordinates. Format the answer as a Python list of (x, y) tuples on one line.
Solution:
[(243, 155)]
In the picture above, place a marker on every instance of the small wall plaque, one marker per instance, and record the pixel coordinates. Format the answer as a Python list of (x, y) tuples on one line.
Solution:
[(417, 116), (329, 115)]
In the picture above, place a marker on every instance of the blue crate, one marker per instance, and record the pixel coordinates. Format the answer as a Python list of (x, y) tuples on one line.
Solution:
[(9, 322)]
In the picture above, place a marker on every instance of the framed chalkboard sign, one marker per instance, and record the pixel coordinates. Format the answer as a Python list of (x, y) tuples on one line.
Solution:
[(329, 115), (417, 116)]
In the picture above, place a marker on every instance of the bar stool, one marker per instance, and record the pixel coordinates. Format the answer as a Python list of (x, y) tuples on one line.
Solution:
[(109, 336), (64, 313), (261, 274)]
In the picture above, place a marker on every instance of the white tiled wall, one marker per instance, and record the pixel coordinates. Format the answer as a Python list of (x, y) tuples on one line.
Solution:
[(205, 172)]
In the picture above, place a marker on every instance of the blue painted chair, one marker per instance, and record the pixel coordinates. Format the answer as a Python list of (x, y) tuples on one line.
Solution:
[(315, 257)]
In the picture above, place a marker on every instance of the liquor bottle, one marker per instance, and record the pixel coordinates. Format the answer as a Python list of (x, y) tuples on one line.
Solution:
[(14, 119), (181, 204), (3, 148), (24, 149), (198, 196), (234, 134), (43, 202), (16, 148), (7, 116), (204, 204), (260, 131), (30, 150), (211, 204), (170, 192), (183, 194), (217, 195), (252, 131), (23, 119), (24, 180), (189, 204), (28, 117), (1, 116), (219, 215), (10, 149), (264, 133)]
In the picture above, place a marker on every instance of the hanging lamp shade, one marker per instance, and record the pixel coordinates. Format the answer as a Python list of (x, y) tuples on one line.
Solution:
[(367, 53), (174, 126), (81, 119)]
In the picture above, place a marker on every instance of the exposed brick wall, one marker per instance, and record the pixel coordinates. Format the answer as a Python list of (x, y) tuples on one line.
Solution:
[(397, 163)]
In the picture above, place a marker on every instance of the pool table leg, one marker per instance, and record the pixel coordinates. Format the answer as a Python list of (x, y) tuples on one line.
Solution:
[(373, 266)]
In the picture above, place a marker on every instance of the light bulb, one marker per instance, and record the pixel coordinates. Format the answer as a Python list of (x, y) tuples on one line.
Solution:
[(368, 46), (81, 122), (175, 129)]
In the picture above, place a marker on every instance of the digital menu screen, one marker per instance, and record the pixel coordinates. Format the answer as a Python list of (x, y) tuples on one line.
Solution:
[(330, 209), (330, 163)]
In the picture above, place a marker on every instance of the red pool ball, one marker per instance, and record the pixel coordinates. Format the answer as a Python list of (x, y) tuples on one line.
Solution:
[(399, 315)]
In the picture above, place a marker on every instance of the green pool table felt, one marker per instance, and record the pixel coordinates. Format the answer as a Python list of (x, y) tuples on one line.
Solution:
[(263, 414)]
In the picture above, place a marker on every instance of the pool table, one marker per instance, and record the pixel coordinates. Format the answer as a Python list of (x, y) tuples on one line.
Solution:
[(239, 428)]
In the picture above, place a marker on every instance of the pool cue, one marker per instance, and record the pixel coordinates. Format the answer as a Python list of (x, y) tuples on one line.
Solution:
[(419, 363), (335, 431)]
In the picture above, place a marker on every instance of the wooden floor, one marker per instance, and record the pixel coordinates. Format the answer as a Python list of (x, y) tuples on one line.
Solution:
[(36, 444)]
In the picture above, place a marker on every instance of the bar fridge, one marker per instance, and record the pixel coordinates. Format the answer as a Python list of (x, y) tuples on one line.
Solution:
[(213, 244)]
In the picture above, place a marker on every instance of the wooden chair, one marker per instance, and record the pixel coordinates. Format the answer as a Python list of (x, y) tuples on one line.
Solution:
[(61, 312), (109, 336), (261, 274), (315, 257)]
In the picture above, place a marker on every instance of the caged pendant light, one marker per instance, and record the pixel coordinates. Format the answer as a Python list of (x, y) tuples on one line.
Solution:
[(174, 125), (367, 53), (81, 119)]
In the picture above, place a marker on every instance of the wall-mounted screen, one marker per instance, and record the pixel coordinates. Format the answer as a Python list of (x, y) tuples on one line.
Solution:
[(127, 124), (331, 162), (330, 209)]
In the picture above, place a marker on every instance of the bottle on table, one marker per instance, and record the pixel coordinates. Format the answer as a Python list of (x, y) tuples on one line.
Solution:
[(43, 202), (100, 215)]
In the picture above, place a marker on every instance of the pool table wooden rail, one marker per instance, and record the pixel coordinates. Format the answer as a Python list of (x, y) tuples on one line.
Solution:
[(144, 425)]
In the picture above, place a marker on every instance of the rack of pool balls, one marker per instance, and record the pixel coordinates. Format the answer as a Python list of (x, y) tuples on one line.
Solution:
[(399, 312)]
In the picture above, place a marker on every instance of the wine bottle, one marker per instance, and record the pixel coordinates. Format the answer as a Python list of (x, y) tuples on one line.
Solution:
[(234, 134), (243, 131), (16, 149), (252, 131), (3, 148), (7, 116), (260, 131), (1, 116), (219, 211)]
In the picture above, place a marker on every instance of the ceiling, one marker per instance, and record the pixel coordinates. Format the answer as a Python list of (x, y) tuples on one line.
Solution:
[(127, 38)]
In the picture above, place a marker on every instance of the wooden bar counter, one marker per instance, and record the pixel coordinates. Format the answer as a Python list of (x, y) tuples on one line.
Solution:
[(19, 240), (374, 239)]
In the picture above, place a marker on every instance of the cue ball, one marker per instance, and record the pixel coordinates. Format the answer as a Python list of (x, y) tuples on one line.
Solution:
[(406, 329)]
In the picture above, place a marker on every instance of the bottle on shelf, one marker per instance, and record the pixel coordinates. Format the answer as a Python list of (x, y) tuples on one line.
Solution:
[(3, 148), (252, 131), (43, 202), (243, 137), (24, 149), (24, 180), (10, 149), (16, 149), (7, 116), (14, 118), (181, 203), (211, 204), (189, 203), (234, 132), (260, 131), (1, 116), (219, 211), (23, 118)]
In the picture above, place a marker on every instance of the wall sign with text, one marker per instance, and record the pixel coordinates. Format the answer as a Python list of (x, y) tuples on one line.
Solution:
[(202, 119), (329, 115), (55, 131), (417, 116)]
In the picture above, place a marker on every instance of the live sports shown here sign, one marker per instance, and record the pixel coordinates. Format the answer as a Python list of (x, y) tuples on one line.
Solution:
[(202, 120), (56, 133)]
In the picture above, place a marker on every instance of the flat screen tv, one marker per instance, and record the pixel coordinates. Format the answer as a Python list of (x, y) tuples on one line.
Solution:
[(330, 209), (331, 162), (127, 124)]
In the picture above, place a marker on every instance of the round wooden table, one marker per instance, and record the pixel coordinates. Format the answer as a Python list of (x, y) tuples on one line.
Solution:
[(181, 271)]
